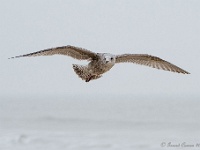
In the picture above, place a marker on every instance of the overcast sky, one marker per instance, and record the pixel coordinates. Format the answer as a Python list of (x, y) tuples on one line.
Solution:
[(168, 29)]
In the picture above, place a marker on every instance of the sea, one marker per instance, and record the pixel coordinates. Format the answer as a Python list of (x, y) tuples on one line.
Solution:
[(99, 122)]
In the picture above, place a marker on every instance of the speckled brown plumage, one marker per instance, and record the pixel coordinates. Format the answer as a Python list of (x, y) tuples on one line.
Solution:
[(103, 62)]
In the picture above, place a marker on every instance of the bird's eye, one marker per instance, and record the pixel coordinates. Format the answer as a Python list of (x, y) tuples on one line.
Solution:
[(111, 58)]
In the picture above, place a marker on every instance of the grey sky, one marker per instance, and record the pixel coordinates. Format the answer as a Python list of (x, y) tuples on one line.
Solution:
[(168, 29)]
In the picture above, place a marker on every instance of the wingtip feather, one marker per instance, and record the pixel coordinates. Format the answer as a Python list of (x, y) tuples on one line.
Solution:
[(15, 57)]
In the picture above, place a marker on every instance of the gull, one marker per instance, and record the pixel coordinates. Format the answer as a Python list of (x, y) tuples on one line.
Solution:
[(99, 63)]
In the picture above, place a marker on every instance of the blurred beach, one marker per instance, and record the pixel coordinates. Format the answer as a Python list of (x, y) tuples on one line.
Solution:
[(99, 123)]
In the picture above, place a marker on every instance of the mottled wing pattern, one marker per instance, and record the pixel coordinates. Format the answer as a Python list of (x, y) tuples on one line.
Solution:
[(75, 52), (151, 61)]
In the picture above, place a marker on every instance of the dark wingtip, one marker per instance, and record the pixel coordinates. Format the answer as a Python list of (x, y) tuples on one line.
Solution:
[(11, 57), (15, 57), (187, 73)]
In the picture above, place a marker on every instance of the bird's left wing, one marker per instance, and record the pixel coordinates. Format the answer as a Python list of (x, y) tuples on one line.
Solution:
[(151, 61), (75, 52)]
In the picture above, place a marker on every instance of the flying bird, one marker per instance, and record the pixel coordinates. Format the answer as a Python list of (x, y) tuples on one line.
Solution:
[(99, 63)]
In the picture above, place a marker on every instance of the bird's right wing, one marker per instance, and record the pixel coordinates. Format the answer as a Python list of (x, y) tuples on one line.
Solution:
[(151, 61), (75, 52)]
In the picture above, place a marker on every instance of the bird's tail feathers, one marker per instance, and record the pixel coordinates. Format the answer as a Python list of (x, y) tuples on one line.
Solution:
[(84, 73)]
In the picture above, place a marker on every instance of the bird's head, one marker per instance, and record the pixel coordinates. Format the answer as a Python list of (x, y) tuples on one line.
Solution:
[(107, 58)]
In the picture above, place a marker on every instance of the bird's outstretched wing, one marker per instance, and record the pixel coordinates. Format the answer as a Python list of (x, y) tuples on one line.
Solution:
[(151, 61), (75, 52)]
